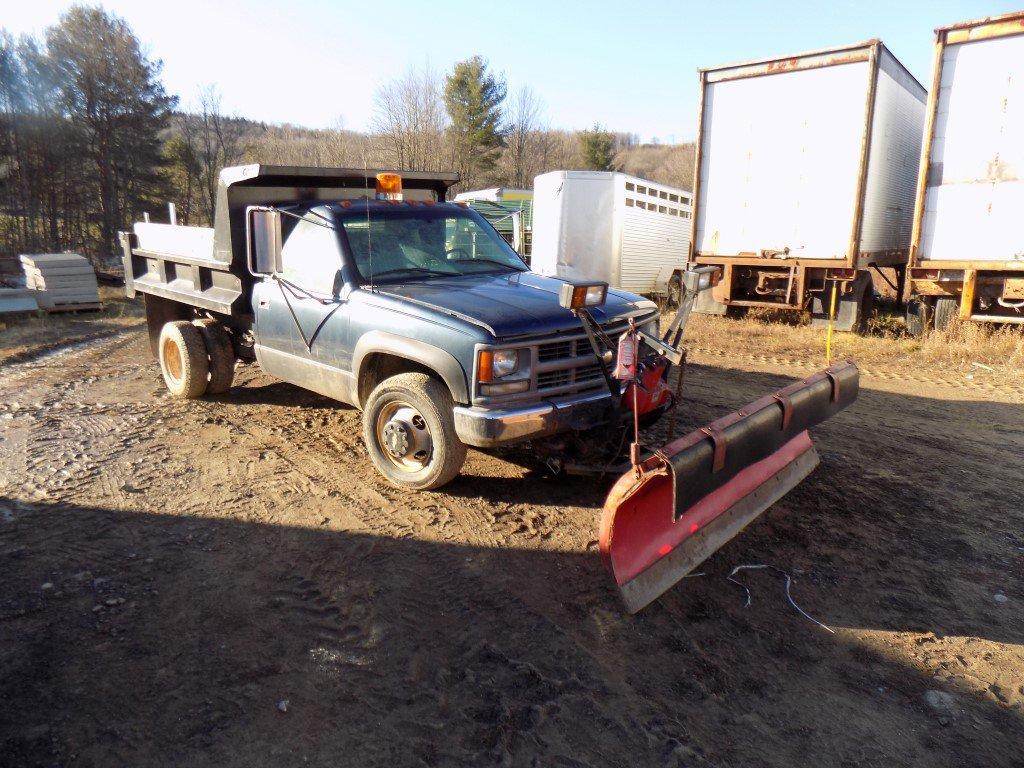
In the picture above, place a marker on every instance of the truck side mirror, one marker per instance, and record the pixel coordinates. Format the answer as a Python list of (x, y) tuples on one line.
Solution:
[(263, 240)]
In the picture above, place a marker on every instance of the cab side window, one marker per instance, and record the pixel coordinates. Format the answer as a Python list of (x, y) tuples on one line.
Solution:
[(310, 257)]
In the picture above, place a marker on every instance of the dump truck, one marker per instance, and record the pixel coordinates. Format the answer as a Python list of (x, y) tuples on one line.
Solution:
[(369, 288), (967, 249), (804, 185)]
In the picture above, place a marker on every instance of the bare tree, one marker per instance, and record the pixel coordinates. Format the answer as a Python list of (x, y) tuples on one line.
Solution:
[(410, 119), (524, 135), (219, 144)]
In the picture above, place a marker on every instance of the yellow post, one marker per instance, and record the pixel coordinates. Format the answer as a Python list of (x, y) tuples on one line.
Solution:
[(831, 319), (967, 293)]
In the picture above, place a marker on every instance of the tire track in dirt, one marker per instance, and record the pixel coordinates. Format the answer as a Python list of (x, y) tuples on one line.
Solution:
[(363, 492)]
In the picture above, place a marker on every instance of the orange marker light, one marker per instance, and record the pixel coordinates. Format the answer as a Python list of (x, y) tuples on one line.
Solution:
[(485, 366), (389, 186)]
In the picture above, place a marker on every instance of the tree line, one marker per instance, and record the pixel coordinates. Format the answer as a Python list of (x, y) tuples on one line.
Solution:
[(89, 138)]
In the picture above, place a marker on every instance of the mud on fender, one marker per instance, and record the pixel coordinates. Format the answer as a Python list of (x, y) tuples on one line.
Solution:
[(699, 491)]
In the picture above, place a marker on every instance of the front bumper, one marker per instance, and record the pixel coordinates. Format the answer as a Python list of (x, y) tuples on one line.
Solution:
[(490, 427)]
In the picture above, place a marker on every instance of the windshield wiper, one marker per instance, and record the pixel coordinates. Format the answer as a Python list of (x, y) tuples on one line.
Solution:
[(489, 261), (415, 270)]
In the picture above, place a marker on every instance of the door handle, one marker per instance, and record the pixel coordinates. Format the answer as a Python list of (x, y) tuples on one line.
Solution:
[(264, 303)]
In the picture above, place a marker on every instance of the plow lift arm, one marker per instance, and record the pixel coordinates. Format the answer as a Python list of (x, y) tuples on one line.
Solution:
[(678, 505)]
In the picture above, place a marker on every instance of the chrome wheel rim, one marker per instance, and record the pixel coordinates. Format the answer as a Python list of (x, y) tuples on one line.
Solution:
[(403, 436)]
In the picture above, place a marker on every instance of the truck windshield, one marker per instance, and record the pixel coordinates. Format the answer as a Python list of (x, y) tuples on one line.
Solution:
[(398, 244)]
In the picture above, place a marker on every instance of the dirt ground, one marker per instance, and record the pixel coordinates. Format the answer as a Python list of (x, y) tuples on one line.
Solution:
[(227, 583)]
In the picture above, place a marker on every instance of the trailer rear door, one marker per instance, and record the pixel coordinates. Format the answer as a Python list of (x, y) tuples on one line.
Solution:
[(975, 190), (780, 161)]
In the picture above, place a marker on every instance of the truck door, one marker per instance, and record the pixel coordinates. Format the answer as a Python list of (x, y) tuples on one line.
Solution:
[(302, 314)]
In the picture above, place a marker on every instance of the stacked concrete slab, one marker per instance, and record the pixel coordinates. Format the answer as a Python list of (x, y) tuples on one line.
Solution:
[(62, 281), (13, 300)]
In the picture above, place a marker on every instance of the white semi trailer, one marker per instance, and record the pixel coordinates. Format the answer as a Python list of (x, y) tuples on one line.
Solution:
[(626, 231), (968, 242), (806, 173)]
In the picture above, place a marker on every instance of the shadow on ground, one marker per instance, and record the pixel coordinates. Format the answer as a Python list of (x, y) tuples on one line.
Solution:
[(167, 640)]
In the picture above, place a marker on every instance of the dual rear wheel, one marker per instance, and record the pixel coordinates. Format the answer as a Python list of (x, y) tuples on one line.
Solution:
[(196, 358)]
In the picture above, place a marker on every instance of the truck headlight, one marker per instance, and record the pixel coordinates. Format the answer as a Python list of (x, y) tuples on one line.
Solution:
[(504, 362), (495, 364)]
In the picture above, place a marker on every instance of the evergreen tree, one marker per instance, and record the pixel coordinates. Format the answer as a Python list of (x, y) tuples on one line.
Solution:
[(473, 98), (112, 93), (598, 148)]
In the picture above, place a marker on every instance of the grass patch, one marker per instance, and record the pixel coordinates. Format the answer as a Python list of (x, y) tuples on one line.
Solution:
[(964, 347)]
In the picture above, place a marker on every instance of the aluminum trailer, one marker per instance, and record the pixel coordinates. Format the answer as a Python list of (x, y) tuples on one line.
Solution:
[(967, 248), (598, 225), (805, 178)]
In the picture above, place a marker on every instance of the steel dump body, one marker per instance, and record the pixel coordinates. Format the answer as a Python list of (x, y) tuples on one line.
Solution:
[(805, 162), (968, 243)]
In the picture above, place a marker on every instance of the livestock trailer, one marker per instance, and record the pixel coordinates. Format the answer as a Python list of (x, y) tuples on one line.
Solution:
[(967, 250), (626, 231), (806, 168), (510, 211)]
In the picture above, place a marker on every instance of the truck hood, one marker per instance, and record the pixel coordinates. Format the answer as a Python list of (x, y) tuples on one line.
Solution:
[(511, 305)]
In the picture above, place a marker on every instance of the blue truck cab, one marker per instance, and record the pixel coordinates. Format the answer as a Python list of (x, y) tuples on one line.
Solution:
[(369, 288)]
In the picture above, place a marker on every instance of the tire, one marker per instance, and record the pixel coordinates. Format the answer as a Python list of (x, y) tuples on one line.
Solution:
[(221, 355), (422, 454), (946, 308), (917, 317), (865, 311), (183, 360), (675, 291)]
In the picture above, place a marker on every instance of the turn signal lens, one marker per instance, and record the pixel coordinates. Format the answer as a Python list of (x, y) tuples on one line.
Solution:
[(485, 366)]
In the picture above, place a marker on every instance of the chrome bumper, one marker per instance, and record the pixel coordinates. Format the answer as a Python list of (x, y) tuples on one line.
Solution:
[(489, 427)]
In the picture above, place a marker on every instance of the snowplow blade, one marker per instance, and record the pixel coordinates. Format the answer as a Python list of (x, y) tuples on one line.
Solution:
[(665, 518)]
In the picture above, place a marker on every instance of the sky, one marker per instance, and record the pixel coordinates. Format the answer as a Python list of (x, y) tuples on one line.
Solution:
[(630, 66)]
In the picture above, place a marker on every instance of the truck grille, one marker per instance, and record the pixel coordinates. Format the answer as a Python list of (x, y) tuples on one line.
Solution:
[(555, 351), (567, 366)]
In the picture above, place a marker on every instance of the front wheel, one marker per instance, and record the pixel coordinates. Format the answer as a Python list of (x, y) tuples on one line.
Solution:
[(409, 432)]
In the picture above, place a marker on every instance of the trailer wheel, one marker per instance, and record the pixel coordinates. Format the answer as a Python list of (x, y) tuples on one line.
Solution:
[(675, 291), (221, 355), (917, 317), (183, 360), (946, 308), (409, 432), (866, 310)]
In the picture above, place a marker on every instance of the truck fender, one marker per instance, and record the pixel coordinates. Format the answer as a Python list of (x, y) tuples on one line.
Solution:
[(438, 360)]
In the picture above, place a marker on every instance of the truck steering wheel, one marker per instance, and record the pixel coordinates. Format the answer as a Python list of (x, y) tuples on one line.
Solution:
[(457, 249)]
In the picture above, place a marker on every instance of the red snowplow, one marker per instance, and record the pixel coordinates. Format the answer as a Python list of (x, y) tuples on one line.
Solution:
[(670, 512), (673, 508)]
